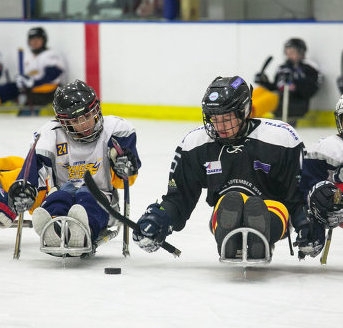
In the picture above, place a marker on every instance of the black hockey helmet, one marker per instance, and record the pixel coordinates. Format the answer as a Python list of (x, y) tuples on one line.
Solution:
[(38, 32), (225, 95), (73, 101), (339, 116), (297, 44)]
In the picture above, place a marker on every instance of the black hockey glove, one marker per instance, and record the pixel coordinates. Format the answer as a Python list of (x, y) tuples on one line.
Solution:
[(261, 78), (21, 196), (285, 76), (324, 203), (123, 165), (310, 239), (154, 227)]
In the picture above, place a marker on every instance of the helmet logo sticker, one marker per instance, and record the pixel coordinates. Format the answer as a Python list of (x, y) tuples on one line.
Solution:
[(213, 96), (236, 83)]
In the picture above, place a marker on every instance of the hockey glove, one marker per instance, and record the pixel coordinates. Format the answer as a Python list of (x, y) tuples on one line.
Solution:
[(284, 76), (123, 165), (310, 239), (21, 196), (24, 82), (261, 78), (324, 202), (7, 216), (154, 227)]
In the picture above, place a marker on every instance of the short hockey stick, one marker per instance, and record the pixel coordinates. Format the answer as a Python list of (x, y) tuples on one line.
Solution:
[(266, 63), (28, 163), (22, 97), (325, 253), (126, 236), (103, 201)]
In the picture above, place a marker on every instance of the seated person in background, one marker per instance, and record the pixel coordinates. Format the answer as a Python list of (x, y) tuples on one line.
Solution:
[(44, 71), (150, 8), (302, 77), (1, 65)]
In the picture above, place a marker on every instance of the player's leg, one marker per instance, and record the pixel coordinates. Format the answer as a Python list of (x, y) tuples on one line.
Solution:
[(268, 217), (97, 217), (227, 216), (56, 204)]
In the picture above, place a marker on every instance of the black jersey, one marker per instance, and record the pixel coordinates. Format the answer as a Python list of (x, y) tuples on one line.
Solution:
[(266, 163)]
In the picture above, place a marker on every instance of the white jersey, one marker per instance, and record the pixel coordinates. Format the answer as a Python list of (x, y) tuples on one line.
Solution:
[(323, 161), (34, 65), (61, 159)]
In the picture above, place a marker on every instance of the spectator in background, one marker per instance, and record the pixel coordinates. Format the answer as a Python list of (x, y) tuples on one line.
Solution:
[(1, 65), (150, 8), (44, 71), (303, 78)]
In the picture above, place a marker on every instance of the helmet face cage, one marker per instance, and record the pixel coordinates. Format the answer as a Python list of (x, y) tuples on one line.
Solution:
[(78, 127), (339, 116), (77, 108), (224, 96)]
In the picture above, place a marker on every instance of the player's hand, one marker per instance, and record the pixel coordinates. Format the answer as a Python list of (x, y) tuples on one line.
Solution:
[(154, 227), (261, 78), (310, 240), (123, 165), (324, 203), (7, 216), (21, 196), (24, 82)]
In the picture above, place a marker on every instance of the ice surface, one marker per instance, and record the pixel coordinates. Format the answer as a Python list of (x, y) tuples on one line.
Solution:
[(158, 290)]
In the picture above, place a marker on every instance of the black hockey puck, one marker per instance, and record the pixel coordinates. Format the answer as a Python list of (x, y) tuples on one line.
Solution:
[(113, 270)]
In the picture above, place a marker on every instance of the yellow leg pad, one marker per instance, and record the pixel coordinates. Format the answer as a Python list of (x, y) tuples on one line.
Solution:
[(280, 211), (264, 102)]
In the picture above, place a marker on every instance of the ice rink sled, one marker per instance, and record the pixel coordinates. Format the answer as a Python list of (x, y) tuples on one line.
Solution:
[(243, 259), (63, 248)]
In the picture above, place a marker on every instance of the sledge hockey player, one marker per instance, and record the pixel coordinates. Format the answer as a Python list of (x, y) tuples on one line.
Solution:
[(10, 167), (44, 71), (80, 139), (302, 76), (321, 183), (250, 168)]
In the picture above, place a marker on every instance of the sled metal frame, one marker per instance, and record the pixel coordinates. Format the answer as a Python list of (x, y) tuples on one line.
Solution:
[(63, 249), (244, 261)]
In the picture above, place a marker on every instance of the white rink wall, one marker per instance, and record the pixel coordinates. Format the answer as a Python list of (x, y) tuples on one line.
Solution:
[(169, 63)]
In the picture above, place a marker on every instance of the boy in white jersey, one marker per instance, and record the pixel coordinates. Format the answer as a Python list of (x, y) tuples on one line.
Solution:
[(44, 70), (80, 139)]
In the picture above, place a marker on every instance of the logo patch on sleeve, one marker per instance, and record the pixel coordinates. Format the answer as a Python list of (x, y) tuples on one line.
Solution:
[(261, 166), (213, 167)]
